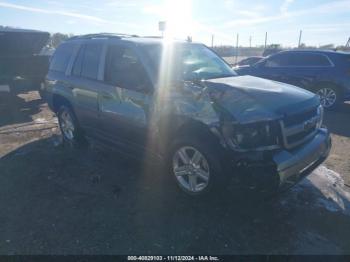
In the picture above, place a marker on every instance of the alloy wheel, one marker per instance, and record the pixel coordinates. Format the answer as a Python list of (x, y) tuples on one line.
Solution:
[(191, 169), (67, 125), (328, 97)]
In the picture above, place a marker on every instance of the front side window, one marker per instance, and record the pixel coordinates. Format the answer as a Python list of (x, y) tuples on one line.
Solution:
[(124, 69), (62, 57), (277, 60), (187, 62)]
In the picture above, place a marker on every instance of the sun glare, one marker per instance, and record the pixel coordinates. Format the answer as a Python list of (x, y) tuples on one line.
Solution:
[(179, 24), (178, 17)]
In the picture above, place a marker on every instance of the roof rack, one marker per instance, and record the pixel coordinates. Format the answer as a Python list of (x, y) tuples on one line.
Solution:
[(101, 35), (153, 36)]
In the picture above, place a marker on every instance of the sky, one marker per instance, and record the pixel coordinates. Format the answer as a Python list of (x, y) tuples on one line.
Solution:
[(321, 21)]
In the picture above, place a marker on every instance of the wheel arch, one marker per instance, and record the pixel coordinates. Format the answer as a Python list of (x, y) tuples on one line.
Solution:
[(58, 101), (339, 92), (324, 83), (173, 126)]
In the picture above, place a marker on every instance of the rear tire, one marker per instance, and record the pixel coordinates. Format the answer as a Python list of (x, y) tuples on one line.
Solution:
[(196, 167), (41, 90), (70, 129), (330, 96)]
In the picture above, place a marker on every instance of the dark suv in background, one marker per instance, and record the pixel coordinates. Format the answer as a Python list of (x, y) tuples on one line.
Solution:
[(180, 104), (326, 73)]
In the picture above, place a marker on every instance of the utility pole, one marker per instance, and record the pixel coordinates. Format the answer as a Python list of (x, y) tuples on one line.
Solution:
[(265, 40), (348, 43), (299, 43), (250, 41), (212, 41), (236, 48), (162, 27)]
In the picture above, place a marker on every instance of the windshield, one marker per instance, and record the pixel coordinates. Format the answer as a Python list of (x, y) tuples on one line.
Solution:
[(188, 62)]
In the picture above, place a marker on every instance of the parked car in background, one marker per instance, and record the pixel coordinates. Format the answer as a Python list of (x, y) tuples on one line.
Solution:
[(181, 104), (249, 61), (271, 50), (326, 73), (20, 59)]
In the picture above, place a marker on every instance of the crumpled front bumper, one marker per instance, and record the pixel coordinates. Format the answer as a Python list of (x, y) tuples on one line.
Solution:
[(293, 165), (280, 169)]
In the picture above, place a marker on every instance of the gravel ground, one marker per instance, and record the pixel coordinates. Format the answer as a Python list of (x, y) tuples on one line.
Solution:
[(60, 201)]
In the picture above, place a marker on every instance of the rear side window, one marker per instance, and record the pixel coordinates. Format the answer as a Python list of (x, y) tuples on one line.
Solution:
[(306, 59), (298, 60), (343, 59), (61, 57), (78, 62), (91, 60)]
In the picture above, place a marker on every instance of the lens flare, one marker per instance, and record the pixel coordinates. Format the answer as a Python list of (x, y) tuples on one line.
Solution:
[(178, 17)]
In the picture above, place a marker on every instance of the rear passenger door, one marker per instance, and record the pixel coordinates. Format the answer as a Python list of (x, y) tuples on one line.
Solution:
[(126, 97), (308, 68), (301, 69), (58, 80), (86, 76)]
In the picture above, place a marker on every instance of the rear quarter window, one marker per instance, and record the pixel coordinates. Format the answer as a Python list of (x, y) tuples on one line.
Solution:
[(62, 57), (342, 60)]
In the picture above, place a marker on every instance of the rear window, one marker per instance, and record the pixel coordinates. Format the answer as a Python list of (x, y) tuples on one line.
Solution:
[(61, 57)]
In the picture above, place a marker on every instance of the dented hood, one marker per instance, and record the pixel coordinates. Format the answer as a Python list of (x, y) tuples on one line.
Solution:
[(250, 99)]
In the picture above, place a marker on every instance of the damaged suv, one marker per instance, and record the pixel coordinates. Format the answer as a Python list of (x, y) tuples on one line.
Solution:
[(180, 104)]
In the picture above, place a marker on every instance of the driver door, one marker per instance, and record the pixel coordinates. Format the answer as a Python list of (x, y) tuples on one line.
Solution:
[(125, 98)]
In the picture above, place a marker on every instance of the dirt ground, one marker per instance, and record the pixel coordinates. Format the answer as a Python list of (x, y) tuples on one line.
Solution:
[(56, 200)]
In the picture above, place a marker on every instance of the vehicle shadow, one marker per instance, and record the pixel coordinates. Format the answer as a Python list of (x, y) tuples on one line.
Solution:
[(64, 201), (338, 121), (14, 109)]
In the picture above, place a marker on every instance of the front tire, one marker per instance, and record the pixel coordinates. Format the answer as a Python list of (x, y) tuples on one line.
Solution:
[(195, 165)]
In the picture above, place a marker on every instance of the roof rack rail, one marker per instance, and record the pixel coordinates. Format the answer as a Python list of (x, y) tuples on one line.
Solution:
[(153, 36), (101, 35)]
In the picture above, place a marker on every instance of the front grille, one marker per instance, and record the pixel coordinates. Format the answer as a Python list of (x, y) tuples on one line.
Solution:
[(298, 128), (299, 136), (299, 117)]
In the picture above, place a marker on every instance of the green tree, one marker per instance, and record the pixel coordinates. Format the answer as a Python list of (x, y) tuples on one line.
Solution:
[(58, 38)]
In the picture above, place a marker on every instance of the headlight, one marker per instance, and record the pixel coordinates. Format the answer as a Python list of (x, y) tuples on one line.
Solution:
[(320, 116), (252, 136)]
